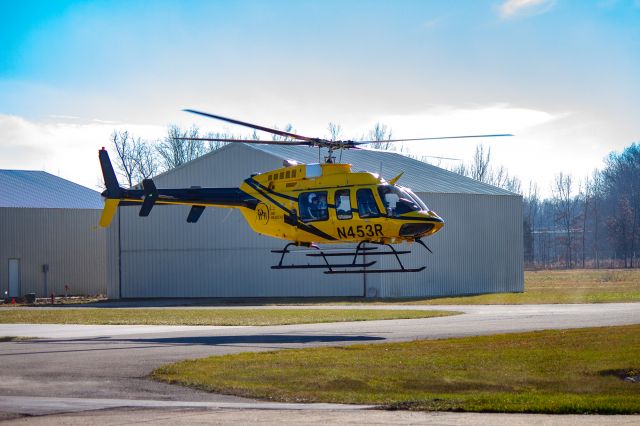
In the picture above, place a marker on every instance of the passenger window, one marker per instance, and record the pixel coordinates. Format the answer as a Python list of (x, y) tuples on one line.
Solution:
[(366, 203), (313, 206), (343, 204)]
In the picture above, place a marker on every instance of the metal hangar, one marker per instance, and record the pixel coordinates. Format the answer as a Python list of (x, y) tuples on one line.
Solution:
[(49, 239), (480, 250)]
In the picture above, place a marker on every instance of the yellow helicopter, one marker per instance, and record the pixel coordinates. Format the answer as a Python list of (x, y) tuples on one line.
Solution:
[(305, 204)]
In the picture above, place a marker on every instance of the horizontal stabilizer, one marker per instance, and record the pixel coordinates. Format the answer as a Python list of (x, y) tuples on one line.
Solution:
[(110, 208), (195, 213), (150, 197)]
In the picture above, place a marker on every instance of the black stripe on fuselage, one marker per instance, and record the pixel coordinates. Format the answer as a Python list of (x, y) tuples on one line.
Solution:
[(307, 228), (265, 188), (255, 185), (233, 197), (417, 219)]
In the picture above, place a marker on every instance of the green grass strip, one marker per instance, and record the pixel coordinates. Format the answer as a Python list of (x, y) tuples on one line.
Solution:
[(561, 372), (204, 316)]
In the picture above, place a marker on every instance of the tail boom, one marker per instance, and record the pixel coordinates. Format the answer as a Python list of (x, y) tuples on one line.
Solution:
[(149, 196)]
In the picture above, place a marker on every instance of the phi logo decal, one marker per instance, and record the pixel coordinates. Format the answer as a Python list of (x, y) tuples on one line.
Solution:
[(262, 214)]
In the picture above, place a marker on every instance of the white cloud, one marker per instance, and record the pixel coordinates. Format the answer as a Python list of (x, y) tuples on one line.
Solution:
[(544, 142), (513, 8), (63, 148), (446, 120)]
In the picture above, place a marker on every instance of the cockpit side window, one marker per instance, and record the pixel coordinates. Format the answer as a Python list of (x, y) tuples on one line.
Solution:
[(343, 204), (367, 206), (397, 201), (313, 206)]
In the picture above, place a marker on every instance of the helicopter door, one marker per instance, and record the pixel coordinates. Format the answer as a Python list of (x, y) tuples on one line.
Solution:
[(367, 207), (366, 225), (343, 204)]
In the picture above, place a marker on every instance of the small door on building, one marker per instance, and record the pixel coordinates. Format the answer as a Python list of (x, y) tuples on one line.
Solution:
[(14, 277)]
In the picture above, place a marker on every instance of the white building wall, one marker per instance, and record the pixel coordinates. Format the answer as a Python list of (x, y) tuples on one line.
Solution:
[(68, 240), (479, 250)]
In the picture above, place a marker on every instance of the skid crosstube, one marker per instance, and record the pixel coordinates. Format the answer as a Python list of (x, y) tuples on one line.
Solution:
[(344, 265)]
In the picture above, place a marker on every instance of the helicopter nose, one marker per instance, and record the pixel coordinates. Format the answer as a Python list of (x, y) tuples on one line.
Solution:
[(415, 229), (429, 223)]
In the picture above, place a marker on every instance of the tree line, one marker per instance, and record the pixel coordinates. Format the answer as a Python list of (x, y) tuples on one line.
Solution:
[(592, 222)]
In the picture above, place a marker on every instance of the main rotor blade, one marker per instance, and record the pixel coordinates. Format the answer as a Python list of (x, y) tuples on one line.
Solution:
[(253, 126), (261, 142), (441, 158), (428, 139)]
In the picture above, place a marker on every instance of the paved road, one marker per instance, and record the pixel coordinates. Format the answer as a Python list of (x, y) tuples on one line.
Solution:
[(113, 362)]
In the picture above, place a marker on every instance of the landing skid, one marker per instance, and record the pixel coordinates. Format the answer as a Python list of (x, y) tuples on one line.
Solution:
[(349, 268)]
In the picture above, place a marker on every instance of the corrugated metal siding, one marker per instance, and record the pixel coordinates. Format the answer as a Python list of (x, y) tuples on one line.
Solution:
[(480, 249), (113, 258), (68, 240), (164, 256)]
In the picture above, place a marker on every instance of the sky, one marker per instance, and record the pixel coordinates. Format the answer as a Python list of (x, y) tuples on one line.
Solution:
[(562, 75)]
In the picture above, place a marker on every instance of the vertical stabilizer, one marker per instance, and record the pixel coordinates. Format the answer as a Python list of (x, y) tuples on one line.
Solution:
[(113, 194), (110, 179)]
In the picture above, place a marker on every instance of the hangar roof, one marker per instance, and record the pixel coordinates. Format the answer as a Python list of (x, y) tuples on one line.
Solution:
[(37, 189), (418, 175)]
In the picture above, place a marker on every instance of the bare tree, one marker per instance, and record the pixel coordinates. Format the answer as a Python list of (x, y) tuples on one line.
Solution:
[(334, 131), (215, 145), (460, 169), (381, 134), (288, 128), (532, 206), (146, 162), (500, 177), (175, 151), (622, 179), (123, 143), (584, 192), (565, 211), (596, 192), (481, 170), (136, 157), (479, 167)]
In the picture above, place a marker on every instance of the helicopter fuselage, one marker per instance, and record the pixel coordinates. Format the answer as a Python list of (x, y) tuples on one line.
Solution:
[(351, 207), (300, 203)]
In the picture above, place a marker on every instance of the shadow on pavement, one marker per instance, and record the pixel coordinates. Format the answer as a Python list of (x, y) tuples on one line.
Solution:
[(103, 343)]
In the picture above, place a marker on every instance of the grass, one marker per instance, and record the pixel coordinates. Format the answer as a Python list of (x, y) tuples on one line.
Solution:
[(567, 286), (559, 371), (203, 316)]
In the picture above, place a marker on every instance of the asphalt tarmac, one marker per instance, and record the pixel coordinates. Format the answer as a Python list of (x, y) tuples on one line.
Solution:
[(81, 366)]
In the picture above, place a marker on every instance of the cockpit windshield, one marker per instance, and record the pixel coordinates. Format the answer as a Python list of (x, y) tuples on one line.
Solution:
[(416, 199), (398, 201)]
